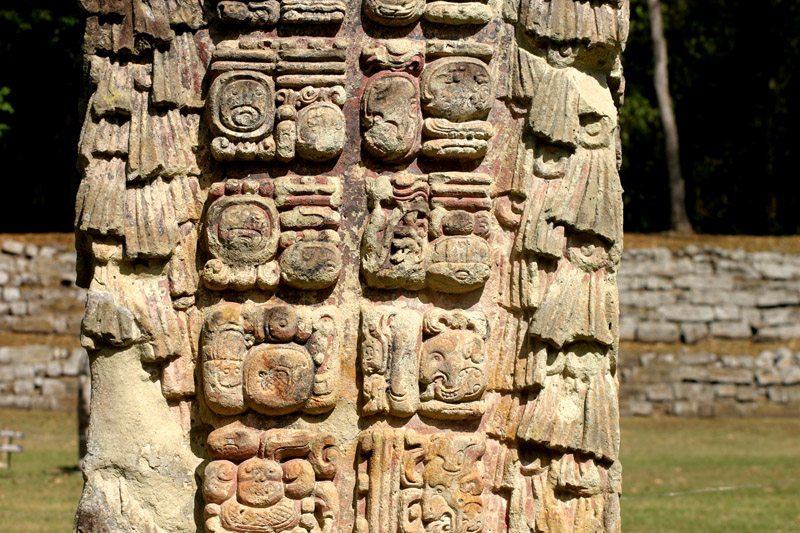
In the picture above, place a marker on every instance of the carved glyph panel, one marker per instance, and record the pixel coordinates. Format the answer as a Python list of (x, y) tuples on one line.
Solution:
[(358, 260)]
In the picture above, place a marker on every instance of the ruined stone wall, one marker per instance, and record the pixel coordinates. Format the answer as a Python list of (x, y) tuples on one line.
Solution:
[(351, 266), (697, 293), (707, 384)]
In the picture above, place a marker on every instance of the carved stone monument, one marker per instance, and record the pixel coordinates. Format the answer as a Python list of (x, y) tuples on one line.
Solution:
[(352, 265)]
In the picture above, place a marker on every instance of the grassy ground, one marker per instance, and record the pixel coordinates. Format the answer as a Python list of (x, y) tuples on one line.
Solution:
[(671, 455), (41, 490), (664, 459)]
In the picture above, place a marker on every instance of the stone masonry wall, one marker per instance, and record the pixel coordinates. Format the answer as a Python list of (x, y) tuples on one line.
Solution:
[(706, 384), (698, 293), (678, 297)]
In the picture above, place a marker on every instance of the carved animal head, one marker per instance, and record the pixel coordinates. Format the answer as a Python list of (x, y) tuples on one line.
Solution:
[(452, 366)]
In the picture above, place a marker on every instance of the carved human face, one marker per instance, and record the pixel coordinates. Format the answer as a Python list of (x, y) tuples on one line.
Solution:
[(244, 105), (244, 228), (260, 482), (452, 366)]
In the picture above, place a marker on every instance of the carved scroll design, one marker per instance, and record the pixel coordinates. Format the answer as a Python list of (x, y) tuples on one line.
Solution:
[(412, 483), (427, 231)]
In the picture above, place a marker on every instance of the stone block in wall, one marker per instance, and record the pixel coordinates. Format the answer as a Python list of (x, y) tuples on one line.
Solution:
[(627, 328), (646, 359), (731, 330), (53, 369), (640, 408), (778, 333), (6, 374), (22, 371), (793, 394), (53, 387), (780, 316), (658, 283), (698, 358), (777, 298), (705, 297), (660, 392), (705, 282), (11, 294), (750, 315), (737, 361), (13, 247), (77, 360), (778, 271), (685, 408), (19, 308), (778, 395), (768, 377), (687, 373), (727, 312), (738, 376), (790, 376), (23, 387), (658, 332), (687, 313), (724, 390), (692, 391), (749, 393), (647, 299), (693, 332)]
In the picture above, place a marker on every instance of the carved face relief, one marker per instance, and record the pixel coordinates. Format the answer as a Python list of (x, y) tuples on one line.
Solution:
[(457, 89), (320, 131), (394, 12), (391, 112), (242, 105), (278, 378), (243, 229), (260, 482), (452, 366)]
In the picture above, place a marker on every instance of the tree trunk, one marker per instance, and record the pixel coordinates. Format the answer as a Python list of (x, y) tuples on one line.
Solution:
[(679, 220)]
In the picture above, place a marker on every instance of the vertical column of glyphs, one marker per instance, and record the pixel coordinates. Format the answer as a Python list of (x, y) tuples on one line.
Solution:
[(367, 250), (271, 342)]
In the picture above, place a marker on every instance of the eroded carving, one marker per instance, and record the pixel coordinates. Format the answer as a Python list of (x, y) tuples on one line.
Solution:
[(443, 377), (270, 481), (457, 93), (413, 483), (242, 234), (274, 359)]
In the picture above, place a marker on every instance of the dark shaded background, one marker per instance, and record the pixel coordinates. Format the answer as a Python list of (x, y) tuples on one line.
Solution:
[(733, 80)]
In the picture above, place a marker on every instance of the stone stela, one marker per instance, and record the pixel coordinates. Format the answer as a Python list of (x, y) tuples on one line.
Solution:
[(351, 265)]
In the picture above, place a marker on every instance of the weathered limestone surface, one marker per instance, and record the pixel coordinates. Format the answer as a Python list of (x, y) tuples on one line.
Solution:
[(351, 266)]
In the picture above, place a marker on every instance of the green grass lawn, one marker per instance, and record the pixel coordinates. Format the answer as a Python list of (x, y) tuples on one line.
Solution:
[(671, 455), (42, 488), (662, 458)]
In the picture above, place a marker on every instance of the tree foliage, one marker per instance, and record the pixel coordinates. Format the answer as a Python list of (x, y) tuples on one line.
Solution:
[(40, 43), (732, 75)]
